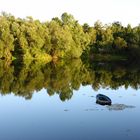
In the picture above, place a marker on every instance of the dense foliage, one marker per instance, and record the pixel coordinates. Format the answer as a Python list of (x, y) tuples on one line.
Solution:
[(28, 40), (63, 38)]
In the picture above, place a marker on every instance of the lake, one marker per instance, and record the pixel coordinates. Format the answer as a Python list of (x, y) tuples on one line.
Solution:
[(58, 101)]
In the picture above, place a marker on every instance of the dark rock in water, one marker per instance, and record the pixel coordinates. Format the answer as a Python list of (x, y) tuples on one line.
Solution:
[(103, 100)]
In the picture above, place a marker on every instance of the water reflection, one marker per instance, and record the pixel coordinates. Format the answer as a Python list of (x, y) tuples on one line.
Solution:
[(63, 78)]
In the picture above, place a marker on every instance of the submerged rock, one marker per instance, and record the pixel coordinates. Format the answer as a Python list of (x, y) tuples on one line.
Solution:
[(119, 107)]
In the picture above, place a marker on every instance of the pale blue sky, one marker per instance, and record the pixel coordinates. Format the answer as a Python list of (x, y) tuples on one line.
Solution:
[(125, 11)]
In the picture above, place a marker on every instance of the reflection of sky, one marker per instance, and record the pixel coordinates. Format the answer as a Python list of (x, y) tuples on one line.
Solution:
[(44, 117)]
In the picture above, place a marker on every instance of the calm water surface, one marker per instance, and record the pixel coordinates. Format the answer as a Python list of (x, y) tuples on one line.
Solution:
[(46, 117)]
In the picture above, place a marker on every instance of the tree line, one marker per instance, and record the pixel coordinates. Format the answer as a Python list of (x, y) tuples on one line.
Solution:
[(64, 37)]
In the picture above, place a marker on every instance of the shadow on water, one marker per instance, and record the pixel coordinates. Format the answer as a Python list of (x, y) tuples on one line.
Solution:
[(63, 78), (118, 107)]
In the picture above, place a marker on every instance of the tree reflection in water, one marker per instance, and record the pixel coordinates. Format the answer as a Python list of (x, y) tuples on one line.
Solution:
[(64, 77)]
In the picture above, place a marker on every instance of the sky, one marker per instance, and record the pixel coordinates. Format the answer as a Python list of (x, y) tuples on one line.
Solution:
[(85, 11)]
